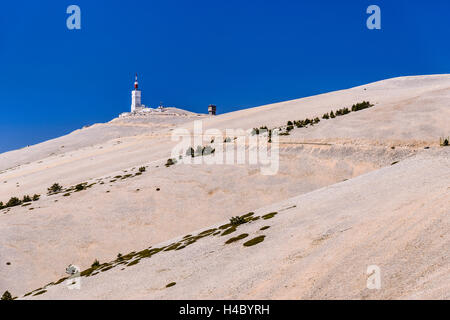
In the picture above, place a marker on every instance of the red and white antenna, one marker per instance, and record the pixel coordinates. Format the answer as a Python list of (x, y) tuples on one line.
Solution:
[(136, 85)]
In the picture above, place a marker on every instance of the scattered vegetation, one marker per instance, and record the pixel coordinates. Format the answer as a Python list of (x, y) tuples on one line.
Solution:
[(257, 131), (231, 240), (173, 246), (80, 187), (170, 162), (132, 263), (7, 296), (361, 106), (290, 125), (229, 230), (254, 241), (14, 201), (134, 258), (200, 151), (40, 292), (235, 221), (269, 215), (95, 264), (54, 189)]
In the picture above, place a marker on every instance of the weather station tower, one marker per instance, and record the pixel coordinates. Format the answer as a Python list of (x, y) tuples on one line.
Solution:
[(136, 97)]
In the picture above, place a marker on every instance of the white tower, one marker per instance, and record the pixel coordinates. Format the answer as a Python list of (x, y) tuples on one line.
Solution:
[(136, 97)]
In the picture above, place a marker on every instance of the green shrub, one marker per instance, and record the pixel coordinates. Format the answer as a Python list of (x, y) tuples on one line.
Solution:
[(361, 106), (299, 123), (95, 264), (269, 215), (254, 241), (40, 292), (170, 162), (235, 221), (228, 231), (231, 240), (7, 296), (55, 188), (13, 202)]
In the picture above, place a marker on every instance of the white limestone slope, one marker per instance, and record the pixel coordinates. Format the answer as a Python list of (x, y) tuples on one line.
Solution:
[(410, 113), (396, 218)]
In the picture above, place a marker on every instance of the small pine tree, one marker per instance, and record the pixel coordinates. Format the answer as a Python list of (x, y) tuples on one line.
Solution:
[(170, 162), (55, 188), (95, 264), (326, 116), (255, 131), (235, 221), (7, 296), (26, 199), (36, 197), (142, 169), (13, 202), (332, 115)]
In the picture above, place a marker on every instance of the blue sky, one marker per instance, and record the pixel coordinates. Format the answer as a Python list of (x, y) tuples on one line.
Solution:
[(235, 54)]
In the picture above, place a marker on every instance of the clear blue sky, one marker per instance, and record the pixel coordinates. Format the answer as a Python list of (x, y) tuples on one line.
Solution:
[(235, 54)]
